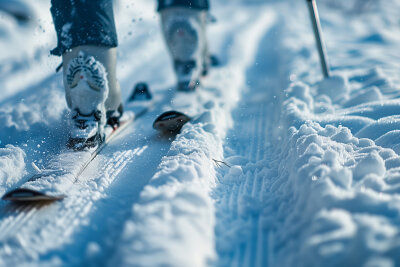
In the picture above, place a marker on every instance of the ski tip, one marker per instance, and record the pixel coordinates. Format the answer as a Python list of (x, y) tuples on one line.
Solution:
[(171, 121), (141, 92), (21, 194)]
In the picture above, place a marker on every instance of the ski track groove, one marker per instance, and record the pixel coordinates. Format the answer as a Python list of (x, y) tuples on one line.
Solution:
[(250, 185), (251, 252), (12, 223), (26, 210), (258, 116), (65, 222)]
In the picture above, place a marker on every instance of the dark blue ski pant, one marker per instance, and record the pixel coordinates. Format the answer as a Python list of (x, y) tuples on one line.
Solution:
[(91, 22)]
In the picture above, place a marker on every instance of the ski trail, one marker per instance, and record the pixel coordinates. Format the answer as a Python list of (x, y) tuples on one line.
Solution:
[(110, 213), (25, 212), (243, 238), (63, 219), (94, 212), (57, 222), (175, 211), (50, 229), (35, 231)]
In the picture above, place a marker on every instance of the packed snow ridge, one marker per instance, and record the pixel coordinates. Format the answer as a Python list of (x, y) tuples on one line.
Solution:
[(279, 167)]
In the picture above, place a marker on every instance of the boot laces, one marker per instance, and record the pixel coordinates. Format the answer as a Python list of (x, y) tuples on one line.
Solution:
[(82, 121)]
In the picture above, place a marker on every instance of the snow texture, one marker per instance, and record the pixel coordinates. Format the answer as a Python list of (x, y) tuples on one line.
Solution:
[(278, 167), (12, 166)]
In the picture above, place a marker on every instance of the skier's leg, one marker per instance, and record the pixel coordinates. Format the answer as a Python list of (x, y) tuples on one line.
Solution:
[(184, 29), (88, 23), (87, 40)]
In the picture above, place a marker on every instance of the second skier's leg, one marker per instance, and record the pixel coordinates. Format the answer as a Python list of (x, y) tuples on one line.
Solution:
[(184, 29)]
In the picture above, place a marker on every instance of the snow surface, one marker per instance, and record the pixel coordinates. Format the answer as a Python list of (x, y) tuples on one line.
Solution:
[(279, 167)]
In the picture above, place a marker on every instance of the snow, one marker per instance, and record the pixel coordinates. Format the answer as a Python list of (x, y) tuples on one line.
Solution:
[(279, 167), (12, 166)]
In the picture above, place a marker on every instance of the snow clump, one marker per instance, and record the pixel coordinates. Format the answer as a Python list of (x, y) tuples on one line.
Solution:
[(12, 166)]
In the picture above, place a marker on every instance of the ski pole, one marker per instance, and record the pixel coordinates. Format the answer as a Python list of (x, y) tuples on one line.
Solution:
[(312, 5)]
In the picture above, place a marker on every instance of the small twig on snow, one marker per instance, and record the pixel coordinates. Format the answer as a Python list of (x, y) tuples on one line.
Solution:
[(219, 163)]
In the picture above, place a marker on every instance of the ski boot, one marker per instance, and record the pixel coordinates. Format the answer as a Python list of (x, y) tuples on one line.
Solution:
[(92, 93), (87, 90), (184, 33), (114, 117)]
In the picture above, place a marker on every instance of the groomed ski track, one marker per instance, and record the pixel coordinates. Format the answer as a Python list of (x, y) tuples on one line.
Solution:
[(112, 216), (280, 168)]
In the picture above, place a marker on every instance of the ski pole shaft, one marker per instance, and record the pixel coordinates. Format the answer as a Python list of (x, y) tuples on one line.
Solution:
[(312, 5)]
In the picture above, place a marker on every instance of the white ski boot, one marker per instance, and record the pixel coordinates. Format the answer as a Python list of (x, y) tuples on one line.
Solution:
[(185, 35), (87, 90)]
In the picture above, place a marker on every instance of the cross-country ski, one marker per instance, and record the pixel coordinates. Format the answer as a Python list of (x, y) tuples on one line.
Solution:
[(65, 168)]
